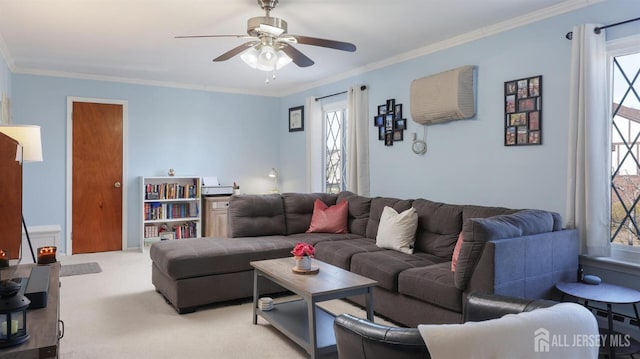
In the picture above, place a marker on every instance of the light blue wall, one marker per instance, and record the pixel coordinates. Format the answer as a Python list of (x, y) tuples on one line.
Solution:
[(466, 160), (194, 132), (239, 137)]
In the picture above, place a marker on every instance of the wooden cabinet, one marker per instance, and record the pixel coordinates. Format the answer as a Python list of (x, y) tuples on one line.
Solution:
[(215, 216), (170, 208), (43, 324)]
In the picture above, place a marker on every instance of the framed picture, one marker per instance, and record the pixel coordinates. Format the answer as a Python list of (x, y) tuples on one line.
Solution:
[(389, 121), (398, 111), (534, 123), (534, 136), (523, 111), (398, 135), (381, 132), (527, 104), (382, 110), (296, 119), (523, 88), (518, 119), (166, 236), (522, 135), (510, 136), (510, 104), (388, 138), (378, 121), (391, 104)]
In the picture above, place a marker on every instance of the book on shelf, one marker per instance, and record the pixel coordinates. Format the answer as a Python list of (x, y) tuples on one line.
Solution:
[(150, 231), (163, 191), (157, 210), (185, 230)]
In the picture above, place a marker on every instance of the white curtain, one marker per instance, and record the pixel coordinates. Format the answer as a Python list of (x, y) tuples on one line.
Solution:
[(315, 135), (589, 162), (358, 141)]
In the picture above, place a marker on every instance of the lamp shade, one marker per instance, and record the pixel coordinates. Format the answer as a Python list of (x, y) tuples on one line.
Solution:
[(29, 137), (273, 173), (265, 58)]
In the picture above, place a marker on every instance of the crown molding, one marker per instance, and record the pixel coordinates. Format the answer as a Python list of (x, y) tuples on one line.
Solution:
[(134, 81), (486, 31)]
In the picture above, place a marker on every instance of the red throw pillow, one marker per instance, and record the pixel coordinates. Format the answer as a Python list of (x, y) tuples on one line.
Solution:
[(456, 253), (329, 219)]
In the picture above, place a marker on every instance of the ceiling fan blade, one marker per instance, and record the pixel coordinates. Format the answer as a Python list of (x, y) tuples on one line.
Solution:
[(198, 36), (236, 50), (332, 44), (296, 56)]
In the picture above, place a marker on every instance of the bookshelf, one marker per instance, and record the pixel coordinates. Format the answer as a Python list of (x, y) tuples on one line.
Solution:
[(170, 208)]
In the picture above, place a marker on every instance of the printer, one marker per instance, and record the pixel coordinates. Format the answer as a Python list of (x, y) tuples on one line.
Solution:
[(211, 187)]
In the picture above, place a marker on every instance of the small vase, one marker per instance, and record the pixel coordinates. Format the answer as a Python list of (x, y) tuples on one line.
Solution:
[(303, 263)]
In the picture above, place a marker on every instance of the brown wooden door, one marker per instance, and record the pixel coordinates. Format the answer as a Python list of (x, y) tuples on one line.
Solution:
[(97, 177)]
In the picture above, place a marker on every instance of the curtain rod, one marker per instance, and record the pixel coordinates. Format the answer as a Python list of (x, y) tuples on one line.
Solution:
[(362, 88), (569, 34)]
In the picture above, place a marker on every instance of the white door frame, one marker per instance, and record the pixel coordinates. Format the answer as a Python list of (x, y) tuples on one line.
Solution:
[(125, 111)]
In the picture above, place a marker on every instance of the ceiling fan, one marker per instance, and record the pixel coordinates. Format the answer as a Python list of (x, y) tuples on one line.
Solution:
[(271, 47)]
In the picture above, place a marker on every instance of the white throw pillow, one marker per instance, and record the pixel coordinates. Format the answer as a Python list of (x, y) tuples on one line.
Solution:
[(397, 230), (524, 335)]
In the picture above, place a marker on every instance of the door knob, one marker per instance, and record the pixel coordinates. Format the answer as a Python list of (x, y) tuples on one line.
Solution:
[(116, 185)]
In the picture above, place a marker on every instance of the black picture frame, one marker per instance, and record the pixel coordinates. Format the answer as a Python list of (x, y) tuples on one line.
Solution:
[(378, 121), (523, 111), (382, 109), (296, 119), (391, 104), (398, 111), (381, 132), (388, 138), (398, 135), (389, 121)]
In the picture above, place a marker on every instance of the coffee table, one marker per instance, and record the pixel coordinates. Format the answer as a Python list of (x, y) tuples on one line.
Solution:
[(300, 319)]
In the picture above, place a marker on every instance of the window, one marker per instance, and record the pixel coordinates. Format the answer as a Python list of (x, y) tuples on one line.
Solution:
[(625, 144), (334, 169)]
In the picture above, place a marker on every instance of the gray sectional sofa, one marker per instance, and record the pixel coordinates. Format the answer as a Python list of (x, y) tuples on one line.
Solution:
[(520, 253)]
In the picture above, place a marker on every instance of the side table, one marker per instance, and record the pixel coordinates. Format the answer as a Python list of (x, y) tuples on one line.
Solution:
[(609, 295)]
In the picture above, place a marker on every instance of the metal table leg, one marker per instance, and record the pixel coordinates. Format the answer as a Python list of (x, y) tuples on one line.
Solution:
[(369, 304), (255, 296), (612, 352)]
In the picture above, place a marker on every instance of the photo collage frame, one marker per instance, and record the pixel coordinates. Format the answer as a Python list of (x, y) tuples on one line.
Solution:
[(523, 111), (390, 123)]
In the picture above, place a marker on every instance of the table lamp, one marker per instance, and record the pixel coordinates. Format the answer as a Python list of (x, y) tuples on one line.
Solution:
[(274, 174)]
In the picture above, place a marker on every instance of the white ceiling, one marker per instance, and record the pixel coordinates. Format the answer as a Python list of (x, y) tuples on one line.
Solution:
[(133, 40)]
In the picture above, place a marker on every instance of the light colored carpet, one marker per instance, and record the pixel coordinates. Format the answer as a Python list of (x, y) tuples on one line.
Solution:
[(118, 314), (79, 269)]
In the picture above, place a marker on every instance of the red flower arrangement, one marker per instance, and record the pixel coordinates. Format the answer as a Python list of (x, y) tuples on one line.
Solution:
[(303, 249)]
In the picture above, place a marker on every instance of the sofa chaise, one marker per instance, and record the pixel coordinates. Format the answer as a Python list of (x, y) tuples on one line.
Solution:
[(520, 253)]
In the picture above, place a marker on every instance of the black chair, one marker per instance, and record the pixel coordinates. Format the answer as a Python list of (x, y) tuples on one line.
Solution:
[(358, 338)]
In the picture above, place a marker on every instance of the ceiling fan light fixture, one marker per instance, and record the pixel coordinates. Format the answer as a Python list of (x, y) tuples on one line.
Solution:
[(283, 60), (250, 57), (265, 58)]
